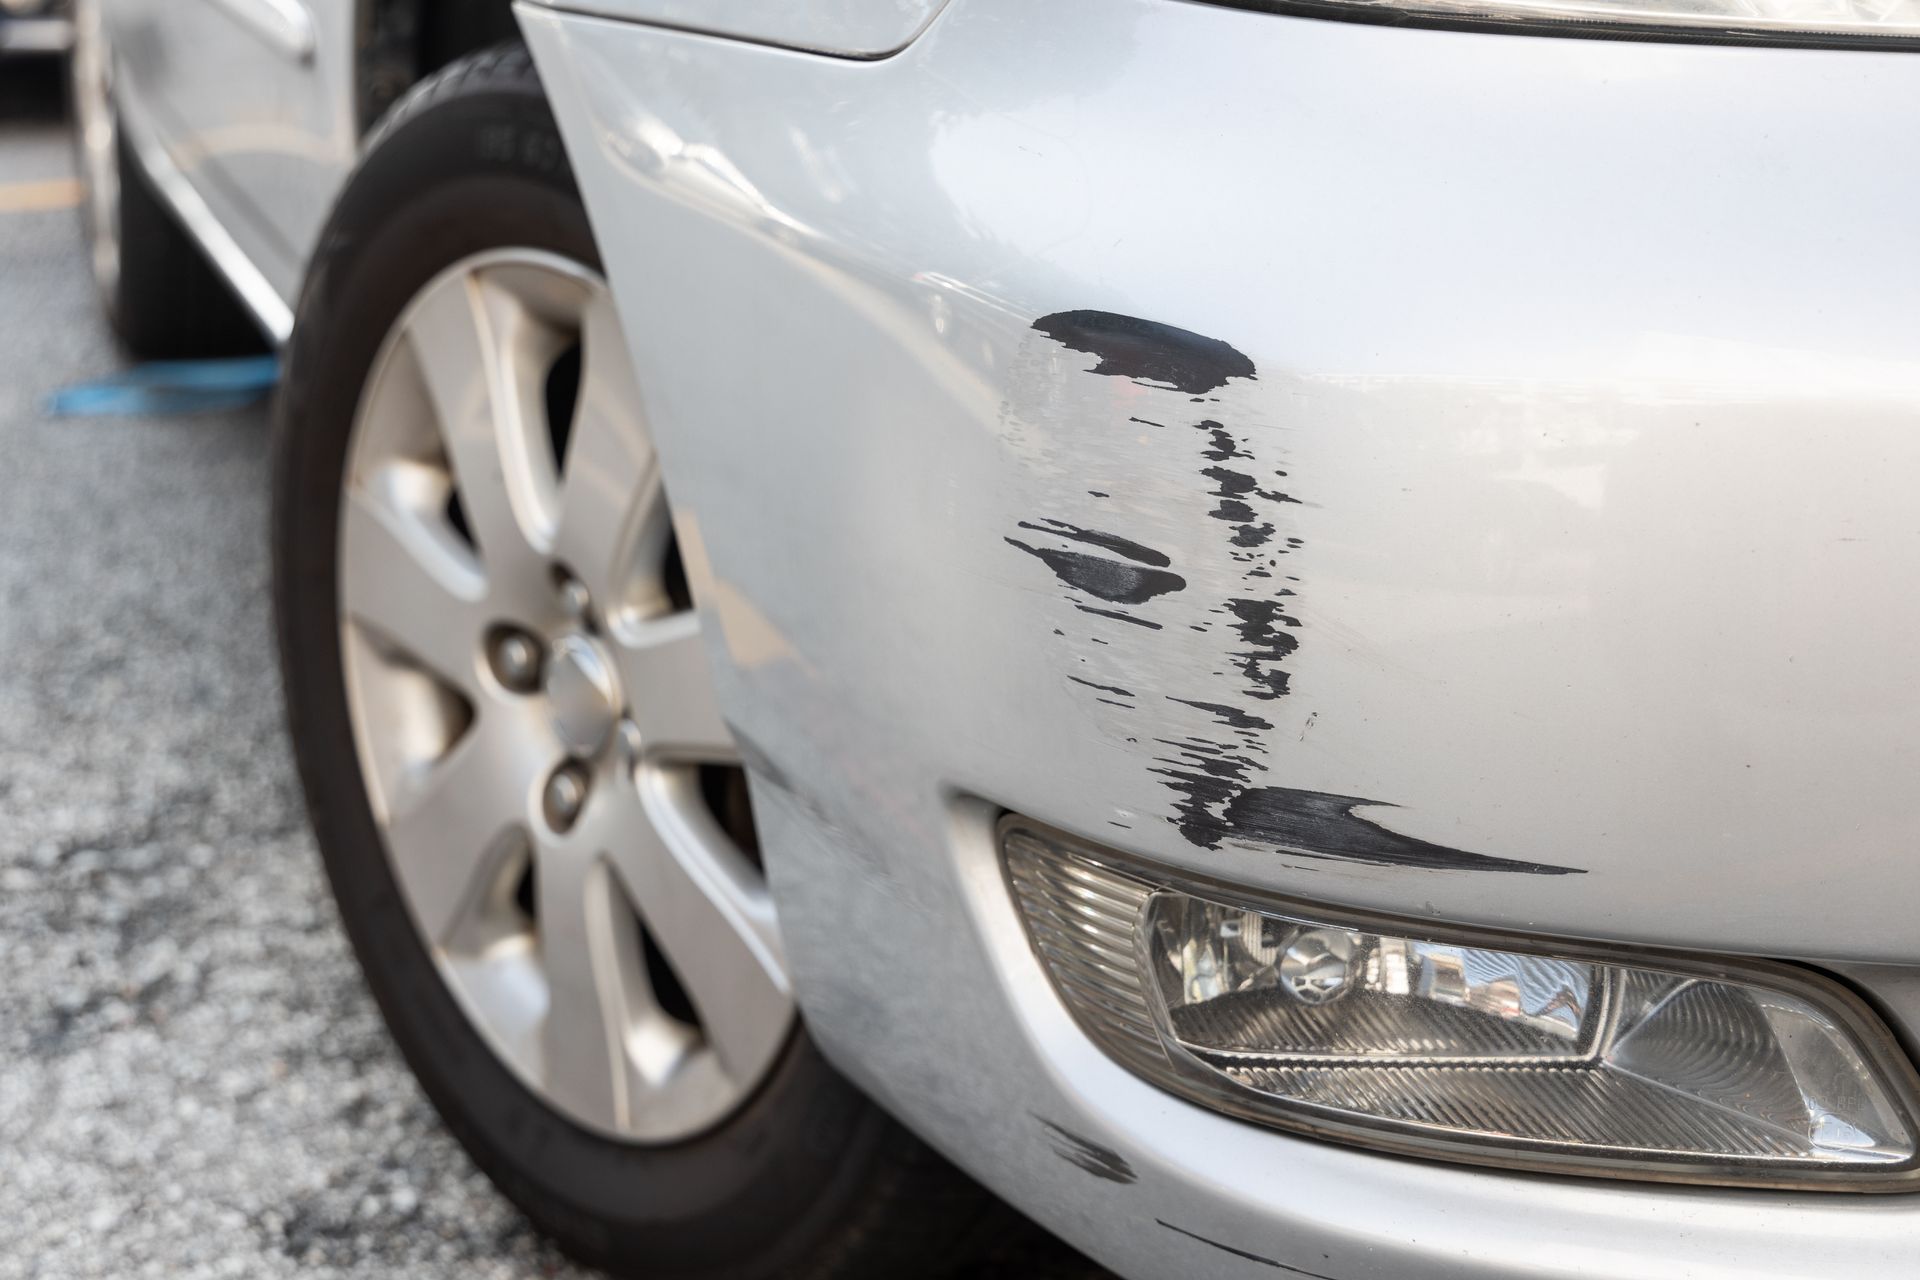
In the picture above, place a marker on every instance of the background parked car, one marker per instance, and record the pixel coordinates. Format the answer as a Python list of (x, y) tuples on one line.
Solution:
[(35, 26)]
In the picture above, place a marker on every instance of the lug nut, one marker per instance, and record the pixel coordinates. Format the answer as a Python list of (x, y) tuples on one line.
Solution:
[(573, 596), (628, 736), (565, 795), (515, 658)]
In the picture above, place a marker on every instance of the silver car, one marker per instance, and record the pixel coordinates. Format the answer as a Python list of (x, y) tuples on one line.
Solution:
[(35, 27), (1284, 629)]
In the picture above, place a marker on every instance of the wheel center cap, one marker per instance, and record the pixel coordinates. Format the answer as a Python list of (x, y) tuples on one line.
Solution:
[(581, 695)]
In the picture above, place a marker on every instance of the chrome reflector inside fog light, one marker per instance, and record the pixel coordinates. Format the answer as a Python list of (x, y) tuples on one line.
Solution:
[(1434, 1042)]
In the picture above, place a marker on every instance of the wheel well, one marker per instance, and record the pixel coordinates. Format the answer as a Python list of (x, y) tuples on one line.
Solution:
[(400, 42)]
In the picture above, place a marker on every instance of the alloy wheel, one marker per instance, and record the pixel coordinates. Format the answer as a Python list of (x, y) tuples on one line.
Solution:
[(533, 712)]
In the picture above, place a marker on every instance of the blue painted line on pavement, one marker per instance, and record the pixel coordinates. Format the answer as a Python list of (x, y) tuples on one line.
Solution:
[(169, 387)]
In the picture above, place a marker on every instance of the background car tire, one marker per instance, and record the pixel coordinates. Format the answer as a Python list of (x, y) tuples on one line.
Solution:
[(808, 1177), (162, 297)]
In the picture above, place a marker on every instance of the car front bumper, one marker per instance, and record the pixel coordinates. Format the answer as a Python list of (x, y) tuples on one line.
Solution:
[(1542, 547)]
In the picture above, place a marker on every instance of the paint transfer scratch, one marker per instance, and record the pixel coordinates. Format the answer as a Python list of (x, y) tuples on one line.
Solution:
[(1110, 580), (1217, 772), (1147, 351), (1242, 1253), (1090, 1157), (1095, 538)]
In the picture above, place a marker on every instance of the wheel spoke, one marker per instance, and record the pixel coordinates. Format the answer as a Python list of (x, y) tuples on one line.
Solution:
[(669, 685), (483, 360), (410, 582), (583, 955), (451, 833), (613, 517), (710, 913)]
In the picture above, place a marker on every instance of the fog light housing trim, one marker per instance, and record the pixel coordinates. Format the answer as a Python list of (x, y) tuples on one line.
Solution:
[(1465, 1045)]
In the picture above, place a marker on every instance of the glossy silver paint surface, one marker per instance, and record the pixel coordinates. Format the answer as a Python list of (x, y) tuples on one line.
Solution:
[(1596, 572), (224, 241), (285, 26), (251, 103), (1568, 376), (841, 28)]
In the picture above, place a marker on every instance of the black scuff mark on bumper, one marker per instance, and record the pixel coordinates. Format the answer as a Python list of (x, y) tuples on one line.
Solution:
[(1219, 801), (1117, 616), (1218, 780), (1110, 580), (1323, 825), (1104, 688), (1232, 717), (1223, 447), (1147, 351), (1089, 1157), (1265, 628), (1242, 1253), (1108, 541)]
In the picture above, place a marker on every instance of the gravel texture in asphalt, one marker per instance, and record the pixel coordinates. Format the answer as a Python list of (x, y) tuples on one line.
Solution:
[(193, 1081)]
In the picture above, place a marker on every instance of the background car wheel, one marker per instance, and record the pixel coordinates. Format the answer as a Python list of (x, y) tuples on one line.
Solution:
[(521, 786), (163, 298)]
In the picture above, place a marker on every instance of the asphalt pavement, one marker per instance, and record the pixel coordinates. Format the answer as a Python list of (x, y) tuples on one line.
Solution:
[(193, 1081)]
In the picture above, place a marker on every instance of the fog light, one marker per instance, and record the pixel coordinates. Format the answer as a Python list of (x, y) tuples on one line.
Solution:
[(1437, 1042)]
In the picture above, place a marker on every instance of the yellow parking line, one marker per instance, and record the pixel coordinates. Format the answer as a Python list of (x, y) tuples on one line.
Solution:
[(32, 197)]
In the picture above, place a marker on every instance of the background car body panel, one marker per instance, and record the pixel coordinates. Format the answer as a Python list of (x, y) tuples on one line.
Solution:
[(32, 27), (264, 131), (1585, 383)]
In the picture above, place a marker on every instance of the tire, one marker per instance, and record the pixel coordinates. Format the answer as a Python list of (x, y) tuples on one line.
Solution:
[(807, 1177), (161, 295)]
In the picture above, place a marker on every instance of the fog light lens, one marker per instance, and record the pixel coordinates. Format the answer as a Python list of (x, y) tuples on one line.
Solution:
[(1418, 1040)]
